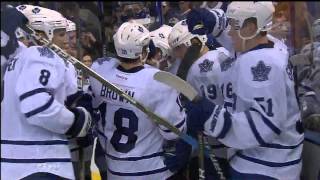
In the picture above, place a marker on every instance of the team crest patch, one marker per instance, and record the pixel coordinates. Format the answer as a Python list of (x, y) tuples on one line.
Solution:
[(36, 10), (22, 7), (46, 52), (206, 66), (226, 64), (102, 60), (260, 72)]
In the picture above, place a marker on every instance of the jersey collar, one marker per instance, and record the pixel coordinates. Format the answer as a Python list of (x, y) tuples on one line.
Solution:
[(132, 70), (270, 44)]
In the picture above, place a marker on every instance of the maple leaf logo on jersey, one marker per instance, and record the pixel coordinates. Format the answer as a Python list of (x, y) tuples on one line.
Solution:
[(45, 51), (206, 66), (226, 64), (260, 72)]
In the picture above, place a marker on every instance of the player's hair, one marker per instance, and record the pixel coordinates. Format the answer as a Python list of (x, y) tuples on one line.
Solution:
[(254, 21), (127, 60)]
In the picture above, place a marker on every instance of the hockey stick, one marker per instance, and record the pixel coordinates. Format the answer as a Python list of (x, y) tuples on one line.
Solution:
[(189, 58), (78, 64), (188, 91)]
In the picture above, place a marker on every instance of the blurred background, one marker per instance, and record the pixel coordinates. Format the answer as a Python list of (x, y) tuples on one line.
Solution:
[(97, 21)]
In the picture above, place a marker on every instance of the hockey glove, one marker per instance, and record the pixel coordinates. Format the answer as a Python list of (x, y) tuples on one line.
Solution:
[(81, 124), (180, 158), (202, 21), (80, 99), (11, 19), (197, 114)]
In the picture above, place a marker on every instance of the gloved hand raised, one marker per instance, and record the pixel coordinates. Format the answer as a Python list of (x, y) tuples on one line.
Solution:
[(203, 22)]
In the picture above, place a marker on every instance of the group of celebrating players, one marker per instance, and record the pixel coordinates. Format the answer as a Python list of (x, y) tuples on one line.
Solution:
[(248, 108)]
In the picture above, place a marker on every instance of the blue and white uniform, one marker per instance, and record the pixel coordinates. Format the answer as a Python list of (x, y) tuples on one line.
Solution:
[(132, 142), (262, 125), (33, 116)]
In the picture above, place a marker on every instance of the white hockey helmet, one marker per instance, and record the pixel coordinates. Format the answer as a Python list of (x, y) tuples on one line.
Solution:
[(43, 19), (71, 26), (262, 11), (26, 9), (160, 40), (181, 35), (130, 39)]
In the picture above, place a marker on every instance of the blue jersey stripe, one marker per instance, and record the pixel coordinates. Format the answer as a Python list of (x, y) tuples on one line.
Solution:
[(253, 128), (269, 123), (144, 173), (226, 126), (135, 158), (177, 126), (261, 141), (45, 142), (9, 160), (33, 92), (40, 109), (268, 163)]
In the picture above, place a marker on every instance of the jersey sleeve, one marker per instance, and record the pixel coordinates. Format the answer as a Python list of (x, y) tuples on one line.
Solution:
[(37, 90), (260, 108), (168, 106)]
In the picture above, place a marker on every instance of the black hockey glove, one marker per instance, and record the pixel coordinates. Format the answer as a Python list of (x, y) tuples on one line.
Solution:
[(81, 124)]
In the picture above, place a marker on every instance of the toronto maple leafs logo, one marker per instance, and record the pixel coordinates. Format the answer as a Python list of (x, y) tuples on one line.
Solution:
[(226, 64), (140, 29), (161, 36), (35, 10), (22, 7), (102, 60), (206, 66), (46, 52), (260, 72)]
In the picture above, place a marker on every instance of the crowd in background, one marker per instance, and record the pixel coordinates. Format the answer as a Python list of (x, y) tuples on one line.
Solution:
[(96, 22)]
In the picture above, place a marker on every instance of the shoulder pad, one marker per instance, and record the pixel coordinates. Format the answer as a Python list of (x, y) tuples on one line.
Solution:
[(45, 52), (103, 59)]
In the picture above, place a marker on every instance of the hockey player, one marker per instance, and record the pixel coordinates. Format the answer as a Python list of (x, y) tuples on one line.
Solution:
[(160, 55), (131, 141), (204, 73), (214, 20), (72, 38), (36, 85), (264, 129)]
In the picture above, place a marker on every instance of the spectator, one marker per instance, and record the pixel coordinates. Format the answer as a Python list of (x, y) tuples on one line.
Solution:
[(87, 59), (137, 11), (185, 8), (170, 16), (90, 44), (92, 22)]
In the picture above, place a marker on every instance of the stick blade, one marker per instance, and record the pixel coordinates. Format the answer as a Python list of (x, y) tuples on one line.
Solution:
[(176, 83)]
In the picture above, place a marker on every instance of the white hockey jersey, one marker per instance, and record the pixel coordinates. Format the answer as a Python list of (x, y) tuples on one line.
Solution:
[(133, 142), (263, 126), (33, 116), (204, 76)]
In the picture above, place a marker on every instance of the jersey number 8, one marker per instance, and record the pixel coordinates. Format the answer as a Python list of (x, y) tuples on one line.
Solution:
[(119, 116), (44, 77)]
